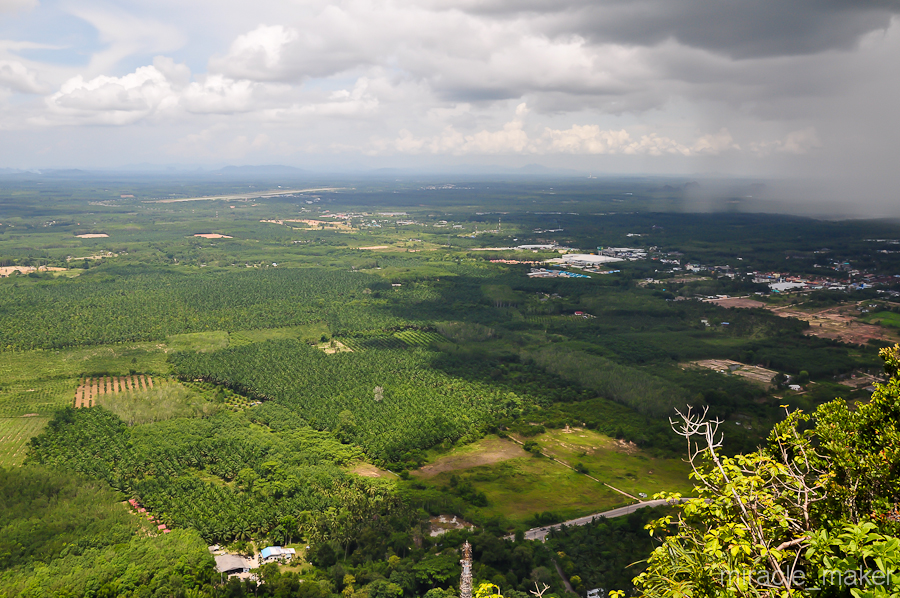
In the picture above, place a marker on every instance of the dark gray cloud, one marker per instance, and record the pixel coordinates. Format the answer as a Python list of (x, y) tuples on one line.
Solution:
[(736, 28)]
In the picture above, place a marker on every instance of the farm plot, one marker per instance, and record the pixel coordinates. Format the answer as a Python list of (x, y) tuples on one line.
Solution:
[(334, 346), (15, 432), (398, 340), (90, 390), (307, 332), (40, 397), (839, 323), (418, 337), (753, 373)]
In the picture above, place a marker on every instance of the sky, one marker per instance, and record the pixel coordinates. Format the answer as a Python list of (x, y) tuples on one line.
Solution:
[(769, 88)]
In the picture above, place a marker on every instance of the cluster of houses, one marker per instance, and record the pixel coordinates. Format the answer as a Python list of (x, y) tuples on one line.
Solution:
[(625, 253), (781, 283), (141, 510), (544, 273), (239, 565)]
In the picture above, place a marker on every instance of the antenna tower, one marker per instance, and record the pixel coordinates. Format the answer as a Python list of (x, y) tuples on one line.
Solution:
[(465, 579)]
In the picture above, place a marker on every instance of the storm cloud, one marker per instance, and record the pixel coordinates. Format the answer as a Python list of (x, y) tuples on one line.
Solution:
[(765, 87)]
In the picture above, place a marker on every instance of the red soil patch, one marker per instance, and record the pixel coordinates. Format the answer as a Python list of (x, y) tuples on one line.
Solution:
[(90, 389)]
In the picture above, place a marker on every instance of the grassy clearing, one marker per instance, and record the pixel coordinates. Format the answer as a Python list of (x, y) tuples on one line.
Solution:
[(41, 397), (166, 400), (617, 463), (519, 487), (522, 487), (15, 432), (885, 318), (198, 341), (486, 451), (306, 333), (114, 360)]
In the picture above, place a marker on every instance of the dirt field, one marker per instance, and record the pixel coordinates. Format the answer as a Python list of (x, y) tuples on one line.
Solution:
[(212, 236), (742, 302), (375, 247), (483, 452), (839, 323), (677, 279), (273, 193), (92, 236), (7, 270), (313, 223), (756, 374), (368, 470), (444, 523), (861, 381), (331, 347), (91, 388)]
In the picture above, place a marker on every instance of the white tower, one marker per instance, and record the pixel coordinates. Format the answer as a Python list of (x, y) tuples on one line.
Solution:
[(465, 579)]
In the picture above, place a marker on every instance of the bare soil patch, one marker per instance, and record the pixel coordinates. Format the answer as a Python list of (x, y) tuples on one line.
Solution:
[(90, 389), (212, 236), (740, 302), (327, 224), (754, 373), (370, 471), (486, 452), (839, 323), (444, 523), (861, 380), (376, 247), (92, 236), (334, 346)]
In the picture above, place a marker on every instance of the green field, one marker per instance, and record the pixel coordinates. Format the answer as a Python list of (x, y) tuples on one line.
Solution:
[(518, 485), (15, 432), (885, 318), (258, 431)]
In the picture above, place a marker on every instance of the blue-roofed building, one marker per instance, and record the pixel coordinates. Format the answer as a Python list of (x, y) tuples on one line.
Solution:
[(276, 553)]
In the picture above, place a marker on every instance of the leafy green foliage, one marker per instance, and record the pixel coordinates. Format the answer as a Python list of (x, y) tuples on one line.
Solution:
[(644, 393), (142, 304), (817, 504), (607, 553), (63, 535), (421, 406), (220, 476)]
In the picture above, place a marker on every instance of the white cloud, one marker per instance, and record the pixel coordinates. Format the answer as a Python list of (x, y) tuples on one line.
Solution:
[(715, 143), (357, 102), (18, 77), (221, 95), (795, 142), (126, 34), (113, 100), (163, 88), (800, 142), (216, 142), (513, 138), (17, 5), (257, 54)]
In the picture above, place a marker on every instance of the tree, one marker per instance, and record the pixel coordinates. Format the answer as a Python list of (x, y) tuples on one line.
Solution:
[(812, 510)]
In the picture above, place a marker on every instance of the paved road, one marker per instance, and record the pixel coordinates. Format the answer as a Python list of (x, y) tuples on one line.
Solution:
[(539, 533)]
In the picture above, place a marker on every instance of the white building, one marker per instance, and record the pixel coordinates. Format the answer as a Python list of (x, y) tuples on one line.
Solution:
[(587, 259)]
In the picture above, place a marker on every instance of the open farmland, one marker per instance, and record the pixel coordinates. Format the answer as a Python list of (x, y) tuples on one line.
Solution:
[(754, 373), (841, 324), (739, 302), (516, 483), (15, 432), (90, 390)]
